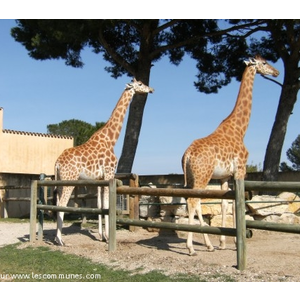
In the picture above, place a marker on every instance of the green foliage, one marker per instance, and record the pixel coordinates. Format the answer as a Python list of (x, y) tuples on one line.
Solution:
[(293, 155), (132, 46), (284, 167), (80, 130), (253, 168)]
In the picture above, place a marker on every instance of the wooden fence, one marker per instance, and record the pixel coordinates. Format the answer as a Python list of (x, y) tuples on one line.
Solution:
[(115, 188)]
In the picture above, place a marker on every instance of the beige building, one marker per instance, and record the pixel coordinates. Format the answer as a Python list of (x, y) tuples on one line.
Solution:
[(28, 152), (25, 155)]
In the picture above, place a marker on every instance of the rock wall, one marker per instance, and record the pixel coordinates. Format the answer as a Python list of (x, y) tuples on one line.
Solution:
[(280, 209)]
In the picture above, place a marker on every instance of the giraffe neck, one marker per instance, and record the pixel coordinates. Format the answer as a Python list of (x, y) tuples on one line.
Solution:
[(111, 130), (239, 118)]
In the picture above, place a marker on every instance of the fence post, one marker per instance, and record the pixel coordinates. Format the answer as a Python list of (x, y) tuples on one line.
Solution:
[(240, 224), (112, 215), (33, 207), (40, 212)]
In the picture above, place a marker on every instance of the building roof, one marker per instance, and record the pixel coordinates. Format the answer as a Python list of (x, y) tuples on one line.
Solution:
[(36, 134)]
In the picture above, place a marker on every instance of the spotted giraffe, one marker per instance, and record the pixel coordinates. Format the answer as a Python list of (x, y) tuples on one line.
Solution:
[(222, 154), (95, 159)]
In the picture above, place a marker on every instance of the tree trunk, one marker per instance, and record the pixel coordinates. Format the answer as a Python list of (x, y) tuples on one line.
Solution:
[(132, 133), (287, 100), (136, 108)]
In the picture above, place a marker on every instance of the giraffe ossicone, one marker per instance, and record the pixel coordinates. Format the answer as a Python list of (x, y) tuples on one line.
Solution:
[(95, 159), (222, 154)]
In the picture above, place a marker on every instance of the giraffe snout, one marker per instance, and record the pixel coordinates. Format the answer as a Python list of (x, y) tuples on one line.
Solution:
[(276, 73)]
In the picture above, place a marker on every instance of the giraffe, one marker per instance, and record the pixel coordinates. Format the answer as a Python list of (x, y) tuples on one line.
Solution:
[(222, 154), (95, 159)]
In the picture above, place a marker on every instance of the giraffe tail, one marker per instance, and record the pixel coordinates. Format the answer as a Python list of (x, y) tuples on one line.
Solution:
[(55, 190), (184, 162), (56, 171)]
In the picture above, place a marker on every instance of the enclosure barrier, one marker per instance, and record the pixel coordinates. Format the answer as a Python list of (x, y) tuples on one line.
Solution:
[(112, 185), (238, 195)]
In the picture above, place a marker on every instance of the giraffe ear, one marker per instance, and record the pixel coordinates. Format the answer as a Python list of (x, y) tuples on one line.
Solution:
[(251, 61)]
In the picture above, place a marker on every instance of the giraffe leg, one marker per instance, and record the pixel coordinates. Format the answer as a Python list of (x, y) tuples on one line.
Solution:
[(194, 205), (207, 241), (106, 206), (224, 213), (106, 222), (60, 220), (224, 208), (233, 217), (189, 242), (99, 205), (102, 202), (63, 201)]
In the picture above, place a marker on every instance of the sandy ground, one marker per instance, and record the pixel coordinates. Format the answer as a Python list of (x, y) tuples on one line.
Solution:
[(271, 256)]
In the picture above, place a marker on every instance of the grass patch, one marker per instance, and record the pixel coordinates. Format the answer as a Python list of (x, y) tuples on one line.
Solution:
[(41, 264)]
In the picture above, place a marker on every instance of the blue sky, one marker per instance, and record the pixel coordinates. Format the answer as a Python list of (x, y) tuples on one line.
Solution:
[(37, 93)]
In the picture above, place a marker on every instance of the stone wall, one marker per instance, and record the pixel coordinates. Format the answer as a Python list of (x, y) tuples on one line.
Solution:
[(272, 209), (160, 207)]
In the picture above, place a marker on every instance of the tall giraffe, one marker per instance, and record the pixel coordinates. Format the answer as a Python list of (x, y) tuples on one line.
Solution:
[(95, 159), (222, 154)]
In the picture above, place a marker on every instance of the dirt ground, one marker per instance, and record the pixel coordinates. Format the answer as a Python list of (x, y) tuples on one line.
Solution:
[(271, 256)]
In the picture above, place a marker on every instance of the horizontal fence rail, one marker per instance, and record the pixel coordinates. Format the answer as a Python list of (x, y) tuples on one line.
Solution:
[(75, 182), (270, 226), (179, 227), (213, 194), (272, 186), (79, 210)]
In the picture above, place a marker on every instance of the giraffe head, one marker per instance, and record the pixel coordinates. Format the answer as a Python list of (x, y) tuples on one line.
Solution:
[(261, 66), (138, 87)]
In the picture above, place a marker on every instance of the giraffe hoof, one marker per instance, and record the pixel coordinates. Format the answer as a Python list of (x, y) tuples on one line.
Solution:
[(103, 238), (59, 242), (222, 248), (193, 253), (210, 249)]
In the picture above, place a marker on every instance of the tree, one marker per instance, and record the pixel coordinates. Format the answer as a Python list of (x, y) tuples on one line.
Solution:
[(253, 168), (80, 130), (284, 167), (132, 47), (293, 155), (283, 42)]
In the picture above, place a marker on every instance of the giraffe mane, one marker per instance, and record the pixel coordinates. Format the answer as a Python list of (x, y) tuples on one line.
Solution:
[(129, 85)]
